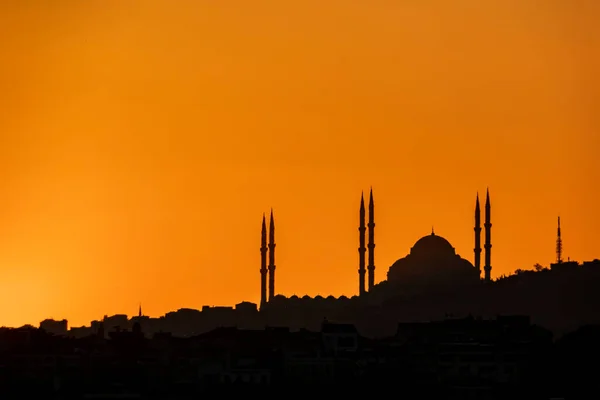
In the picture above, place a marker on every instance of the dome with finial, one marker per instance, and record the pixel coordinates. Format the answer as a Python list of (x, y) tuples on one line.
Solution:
[(432, 246), (432, 261)]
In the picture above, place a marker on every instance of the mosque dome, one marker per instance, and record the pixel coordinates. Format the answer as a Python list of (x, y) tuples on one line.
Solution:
[(432, 261), (432, 246)]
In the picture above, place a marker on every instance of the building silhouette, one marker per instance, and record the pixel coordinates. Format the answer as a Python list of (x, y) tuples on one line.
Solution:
[(431, 264)]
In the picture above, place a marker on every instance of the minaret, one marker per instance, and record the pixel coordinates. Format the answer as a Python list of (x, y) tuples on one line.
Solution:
[(488, 238), (477, 235), (371, 245), (361, 248), (263, 263), (558, 245), (271, 257)]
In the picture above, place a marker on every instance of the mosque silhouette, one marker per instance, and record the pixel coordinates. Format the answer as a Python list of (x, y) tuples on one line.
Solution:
[(431, 283), (431, 265)]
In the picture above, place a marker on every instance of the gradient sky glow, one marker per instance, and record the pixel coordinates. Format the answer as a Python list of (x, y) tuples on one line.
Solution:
[(141, 141)]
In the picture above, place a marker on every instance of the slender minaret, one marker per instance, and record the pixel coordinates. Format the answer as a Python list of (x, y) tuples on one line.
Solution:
[(371, 244), (558, 245), (477, 235), (271, 257), (263, 262), (361, 248), (488, 238)]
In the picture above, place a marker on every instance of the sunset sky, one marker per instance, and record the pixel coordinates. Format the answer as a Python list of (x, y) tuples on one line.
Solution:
[(141, 142)]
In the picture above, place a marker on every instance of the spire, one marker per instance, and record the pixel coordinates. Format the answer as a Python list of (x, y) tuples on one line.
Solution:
[(477, 249), (263, 262), (432, 231), (558, 244), (272, 228), (263, 231), (371, 245), (271, 267), (488, 238), (361, 246), (362, 203), (140, 310)]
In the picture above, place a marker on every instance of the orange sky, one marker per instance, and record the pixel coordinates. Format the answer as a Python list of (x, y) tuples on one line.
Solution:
[(141, 141)]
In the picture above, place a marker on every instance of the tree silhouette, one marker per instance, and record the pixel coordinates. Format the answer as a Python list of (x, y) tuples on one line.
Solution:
[(538, 267)]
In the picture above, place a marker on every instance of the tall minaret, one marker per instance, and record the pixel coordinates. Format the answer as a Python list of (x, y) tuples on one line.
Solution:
[(488, 238), (477, 235), (558, 245), (271, 258), (361, 248), (263, 263), (371, 245)]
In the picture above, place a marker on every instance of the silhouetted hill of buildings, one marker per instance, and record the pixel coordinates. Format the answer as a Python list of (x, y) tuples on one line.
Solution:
[(561, 298), (382, 338)]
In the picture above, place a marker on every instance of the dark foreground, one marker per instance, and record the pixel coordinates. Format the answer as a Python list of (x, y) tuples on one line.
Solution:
[(506, 358)]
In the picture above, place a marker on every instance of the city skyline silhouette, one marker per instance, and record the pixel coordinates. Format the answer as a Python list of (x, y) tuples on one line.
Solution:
[(140, 146), (432, 277)]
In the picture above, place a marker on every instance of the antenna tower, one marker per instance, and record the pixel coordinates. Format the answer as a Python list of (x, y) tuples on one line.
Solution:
[(558, 245)]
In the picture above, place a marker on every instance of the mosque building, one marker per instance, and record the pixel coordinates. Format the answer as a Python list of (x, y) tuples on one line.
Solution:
[(431, 264)]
